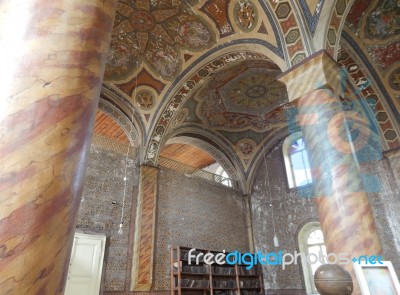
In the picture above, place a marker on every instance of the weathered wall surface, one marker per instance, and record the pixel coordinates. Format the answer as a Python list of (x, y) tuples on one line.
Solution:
[(101, 210), (190, 212), (384, 197), (292, 210), (195, 213)]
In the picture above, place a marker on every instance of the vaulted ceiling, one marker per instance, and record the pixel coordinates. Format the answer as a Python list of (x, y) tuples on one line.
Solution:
[(206, 69)]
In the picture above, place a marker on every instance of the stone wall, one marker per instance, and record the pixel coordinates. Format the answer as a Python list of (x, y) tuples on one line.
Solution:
[(195, 213), (101, 210), (394, 159), (190, 212), (384, 198), (292, 210)]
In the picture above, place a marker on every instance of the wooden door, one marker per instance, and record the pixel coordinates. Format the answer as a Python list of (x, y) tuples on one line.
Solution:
[(84, 274)]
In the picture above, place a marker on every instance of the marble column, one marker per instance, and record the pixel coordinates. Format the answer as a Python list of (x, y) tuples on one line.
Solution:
[(145, 225), (52, 56), (344, 210)]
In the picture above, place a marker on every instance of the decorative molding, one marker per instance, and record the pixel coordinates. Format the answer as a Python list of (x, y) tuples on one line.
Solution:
[(311, 17), (284, 17), (335, 27)]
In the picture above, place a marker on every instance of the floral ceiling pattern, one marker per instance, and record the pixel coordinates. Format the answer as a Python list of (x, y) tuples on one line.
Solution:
[(240, 101), (154, 32), (241, 98), (372, 29)]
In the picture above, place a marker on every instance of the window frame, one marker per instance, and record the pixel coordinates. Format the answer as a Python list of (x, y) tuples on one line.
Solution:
[(290, 176), (303, 235)]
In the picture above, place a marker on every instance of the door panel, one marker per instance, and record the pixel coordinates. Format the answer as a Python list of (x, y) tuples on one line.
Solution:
[(84, 274)]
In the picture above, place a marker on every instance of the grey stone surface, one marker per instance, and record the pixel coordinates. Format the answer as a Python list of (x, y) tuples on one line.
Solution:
[(292, 210), (195, 213), (101, 209), (385, 203)]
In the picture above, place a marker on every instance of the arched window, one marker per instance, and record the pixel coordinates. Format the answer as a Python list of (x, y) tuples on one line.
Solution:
[(311, 242), (296, 161)]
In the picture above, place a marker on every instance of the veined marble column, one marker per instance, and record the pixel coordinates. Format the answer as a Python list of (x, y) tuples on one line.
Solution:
[(143, 246), (344, 210), (52, 56)]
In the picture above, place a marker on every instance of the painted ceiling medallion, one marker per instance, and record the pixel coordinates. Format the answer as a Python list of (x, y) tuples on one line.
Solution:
[(246, 15), (242, 97), (246, 147), (145, 100), (255, 93), (153, 32)]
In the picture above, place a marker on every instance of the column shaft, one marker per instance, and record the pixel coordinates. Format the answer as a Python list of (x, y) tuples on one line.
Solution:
[(345, 214), (143, 247), (52, 56)]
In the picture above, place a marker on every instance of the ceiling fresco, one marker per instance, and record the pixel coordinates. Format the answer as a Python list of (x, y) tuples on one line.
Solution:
[(241, 104), (384, 20), (246, 15), (212, 96), (241, 98), (155, 43), (372, 29), (209, 66), (154, 32), (217, 11), (371, 96), (376, 25)]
